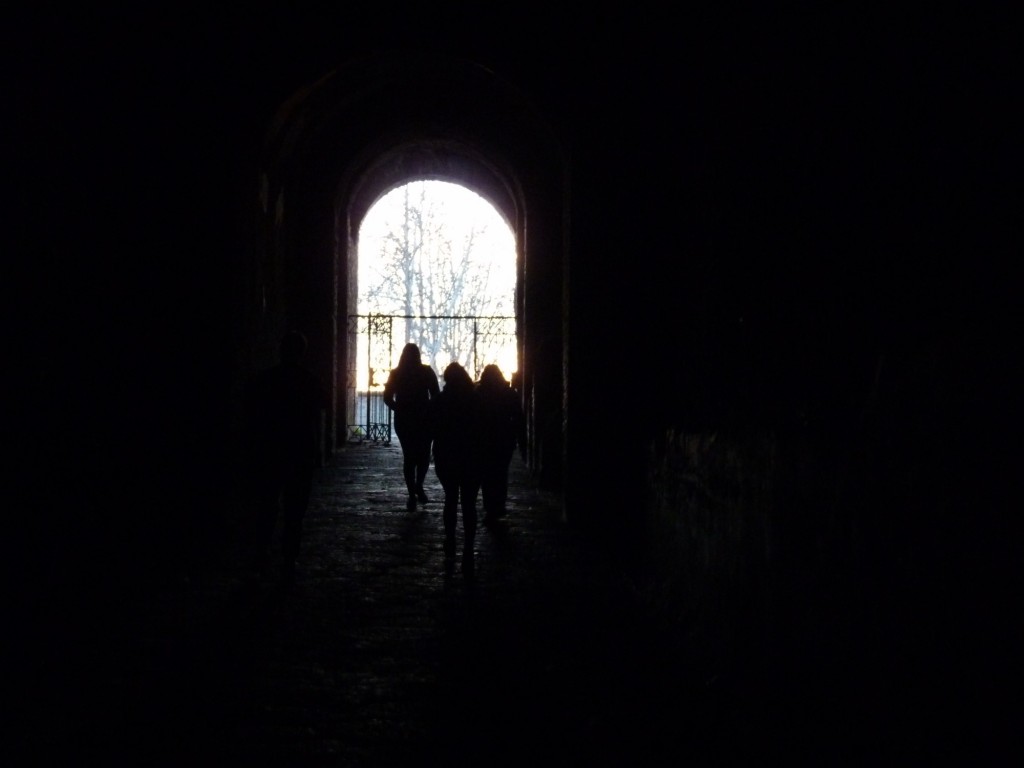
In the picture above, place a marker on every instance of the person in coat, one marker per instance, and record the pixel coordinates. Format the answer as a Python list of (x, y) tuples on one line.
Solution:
[(456, 458), (501, 428), (408, 392)]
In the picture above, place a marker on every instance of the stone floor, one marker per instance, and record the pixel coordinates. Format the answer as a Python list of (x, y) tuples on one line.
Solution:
[(379, 654), (552, 652)]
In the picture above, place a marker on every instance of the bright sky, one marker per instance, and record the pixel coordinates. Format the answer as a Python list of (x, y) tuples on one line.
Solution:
[(460, 209)]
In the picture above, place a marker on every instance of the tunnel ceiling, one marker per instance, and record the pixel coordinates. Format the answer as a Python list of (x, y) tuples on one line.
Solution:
[(375, 124), (436, 160)]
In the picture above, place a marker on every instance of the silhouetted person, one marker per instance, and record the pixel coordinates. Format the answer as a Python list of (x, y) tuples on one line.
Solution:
[(285, 422), (455, 459), (501, 428), (410, 387)]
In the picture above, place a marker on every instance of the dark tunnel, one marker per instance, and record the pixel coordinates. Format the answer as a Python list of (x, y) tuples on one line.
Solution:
[(766, 315)]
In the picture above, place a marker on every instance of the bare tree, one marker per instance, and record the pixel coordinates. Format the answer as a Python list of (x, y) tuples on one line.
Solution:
[(442, 284), (394, 291)]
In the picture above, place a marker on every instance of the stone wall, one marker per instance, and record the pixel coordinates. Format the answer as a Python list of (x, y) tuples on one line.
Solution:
[(751, 540)]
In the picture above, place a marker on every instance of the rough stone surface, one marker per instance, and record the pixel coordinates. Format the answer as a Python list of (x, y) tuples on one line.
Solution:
[(555, 651), (378, 654)]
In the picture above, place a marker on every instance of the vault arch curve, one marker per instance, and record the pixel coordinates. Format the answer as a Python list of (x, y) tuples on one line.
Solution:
[(338, 145)]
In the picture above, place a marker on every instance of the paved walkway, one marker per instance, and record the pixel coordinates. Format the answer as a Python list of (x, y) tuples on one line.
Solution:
[(379, 655)]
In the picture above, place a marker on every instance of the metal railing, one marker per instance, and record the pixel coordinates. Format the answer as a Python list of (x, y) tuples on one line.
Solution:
[(473, 341)]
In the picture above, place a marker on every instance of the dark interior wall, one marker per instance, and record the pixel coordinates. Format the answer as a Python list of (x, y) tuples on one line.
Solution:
[(798, 201), (793, 233), (820, 214)]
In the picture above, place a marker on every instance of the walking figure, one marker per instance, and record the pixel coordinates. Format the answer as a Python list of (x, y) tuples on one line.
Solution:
[(501, 428), (408, 392), (456, 459)]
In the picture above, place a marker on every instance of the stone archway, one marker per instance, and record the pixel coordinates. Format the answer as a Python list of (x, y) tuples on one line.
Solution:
[(340, 144)]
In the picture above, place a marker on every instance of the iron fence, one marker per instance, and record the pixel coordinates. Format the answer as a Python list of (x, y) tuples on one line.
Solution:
[(473, 341)]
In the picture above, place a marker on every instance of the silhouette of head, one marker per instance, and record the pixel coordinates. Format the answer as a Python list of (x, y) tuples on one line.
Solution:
[(293, 347), (456, 377), (492, 377), (410, 356)]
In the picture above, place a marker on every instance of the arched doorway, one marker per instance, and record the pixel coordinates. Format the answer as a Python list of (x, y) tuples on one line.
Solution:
[(437, 267), (340, 144)]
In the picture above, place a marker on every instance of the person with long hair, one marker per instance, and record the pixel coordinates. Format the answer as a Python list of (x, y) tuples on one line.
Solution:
[(501, 428), (455, 460), (410, 388)]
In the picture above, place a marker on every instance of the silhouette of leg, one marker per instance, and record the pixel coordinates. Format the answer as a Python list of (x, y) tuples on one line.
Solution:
[(422, 465), (500, 489), (489, 493), (469, 522), (409, 473), (407, 439), (450, 517), (449, 512), (469, 490)]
